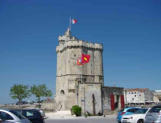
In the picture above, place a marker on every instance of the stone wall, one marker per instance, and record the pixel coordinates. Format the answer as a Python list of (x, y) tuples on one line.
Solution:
[(90, 98), (117, 92)]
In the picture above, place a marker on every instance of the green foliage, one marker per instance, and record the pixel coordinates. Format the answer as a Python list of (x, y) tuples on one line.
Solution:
[(76, 110), (19, 91), (40, 91)]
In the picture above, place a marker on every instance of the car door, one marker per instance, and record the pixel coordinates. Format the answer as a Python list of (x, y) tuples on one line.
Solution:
[(154, 113)]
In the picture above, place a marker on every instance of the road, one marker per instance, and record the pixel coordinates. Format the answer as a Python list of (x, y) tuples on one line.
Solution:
[(83, 120)]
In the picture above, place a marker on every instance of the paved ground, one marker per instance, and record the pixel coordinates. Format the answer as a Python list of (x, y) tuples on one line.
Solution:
[(65, 117), (84, 120)]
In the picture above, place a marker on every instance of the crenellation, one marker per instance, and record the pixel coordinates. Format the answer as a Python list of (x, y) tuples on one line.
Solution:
[(79, 43)]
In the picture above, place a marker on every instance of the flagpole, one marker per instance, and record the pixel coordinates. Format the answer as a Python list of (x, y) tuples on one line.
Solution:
[(70, 23)]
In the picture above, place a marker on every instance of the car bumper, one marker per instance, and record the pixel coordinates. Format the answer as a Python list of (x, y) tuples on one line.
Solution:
[(127, 121)]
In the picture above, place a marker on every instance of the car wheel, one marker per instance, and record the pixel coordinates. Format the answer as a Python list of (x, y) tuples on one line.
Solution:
[(140, 121)]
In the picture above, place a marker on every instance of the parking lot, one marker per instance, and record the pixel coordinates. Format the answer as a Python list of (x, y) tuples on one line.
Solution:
[(83, 120)]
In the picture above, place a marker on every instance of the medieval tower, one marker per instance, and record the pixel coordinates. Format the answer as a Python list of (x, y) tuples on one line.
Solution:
[(79, 84)]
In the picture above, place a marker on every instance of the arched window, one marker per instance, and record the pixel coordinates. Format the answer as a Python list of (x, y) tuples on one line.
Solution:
[(62, 92)]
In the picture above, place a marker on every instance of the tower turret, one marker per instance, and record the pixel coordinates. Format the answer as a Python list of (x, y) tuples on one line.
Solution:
[(66, 37)]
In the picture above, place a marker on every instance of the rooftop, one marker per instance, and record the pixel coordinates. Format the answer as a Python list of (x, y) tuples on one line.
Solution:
[(137, 89)]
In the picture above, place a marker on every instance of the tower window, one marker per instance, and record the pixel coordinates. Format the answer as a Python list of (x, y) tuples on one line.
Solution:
[(62, 92), (71, 90)]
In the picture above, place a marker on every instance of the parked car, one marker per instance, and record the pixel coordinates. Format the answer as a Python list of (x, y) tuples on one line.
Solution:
[(154, 115), (126, 111), (33, 115), (137, 117), (12, 117)]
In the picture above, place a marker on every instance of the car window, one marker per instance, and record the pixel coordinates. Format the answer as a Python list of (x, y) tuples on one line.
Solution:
[(5, 116), (31, 113), (136, 109), (17, 114), (141, 111), (155, 110), (132, 110)]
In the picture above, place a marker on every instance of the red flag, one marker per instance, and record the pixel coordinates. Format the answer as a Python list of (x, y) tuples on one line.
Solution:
[(85, 58)]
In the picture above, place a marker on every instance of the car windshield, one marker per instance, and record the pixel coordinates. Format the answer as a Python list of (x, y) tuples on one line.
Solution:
[(141, 111), (17, 114), (155, 109)]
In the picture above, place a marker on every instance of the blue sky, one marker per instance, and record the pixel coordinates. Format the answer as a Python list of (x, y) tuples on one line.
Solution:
[(130, 31)]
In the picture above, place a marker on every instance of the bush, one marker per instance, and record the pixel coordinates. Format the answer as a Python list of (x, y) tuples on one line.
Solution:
[(76, 110)]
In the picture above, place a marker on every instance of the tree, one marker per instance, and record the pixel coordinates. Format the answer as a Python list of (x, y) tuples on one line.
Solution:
[(19, 91), (40, 91)]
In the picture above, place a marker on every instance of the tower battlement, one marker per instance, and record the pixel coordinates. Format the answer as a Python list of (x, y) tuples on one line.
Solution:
[(79, 43), (68, 41)]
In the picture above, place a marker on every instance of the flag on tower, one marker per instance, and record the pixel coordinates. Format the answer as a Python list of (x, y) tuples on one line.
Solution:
[(74, 21), (83, 60), (79, 61)]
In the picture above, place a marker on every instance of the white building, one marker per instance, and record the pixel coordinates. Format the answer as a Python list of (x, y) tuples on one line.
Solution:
[(138, 96), (157, 96)]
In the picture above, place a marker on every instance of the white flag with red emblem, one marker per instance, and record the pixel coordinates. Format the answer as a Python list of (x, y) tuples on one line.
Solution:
[(74, 21)]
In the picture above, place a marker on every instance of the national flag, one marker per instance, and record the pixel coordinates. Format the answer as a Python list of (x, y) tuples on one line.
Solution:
[(74, 21), (79, 61)]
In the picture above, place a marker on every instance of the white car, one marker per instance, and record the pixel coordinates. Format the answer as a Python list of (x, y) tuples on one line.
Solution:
[(8, 117), (154, 115), (137, 117)]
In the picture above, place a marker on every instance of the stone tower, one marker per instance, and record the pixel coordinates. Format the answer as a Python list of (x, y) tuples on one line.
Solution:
[(79, 84)]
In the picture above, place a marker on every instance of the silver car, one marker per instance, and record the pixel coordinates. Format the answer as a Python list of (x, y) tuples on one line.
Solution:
[(12, 117), (154, 115)]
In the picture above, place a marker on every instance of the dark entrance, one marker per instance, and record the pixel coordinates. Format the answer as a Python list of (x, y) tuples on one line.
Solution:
[(93, 104)]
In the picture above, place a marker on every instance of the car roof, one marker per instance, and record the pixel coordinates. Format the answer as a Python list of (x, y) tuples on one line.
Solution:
[(156, 106), (125, 109), (25, 109)]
